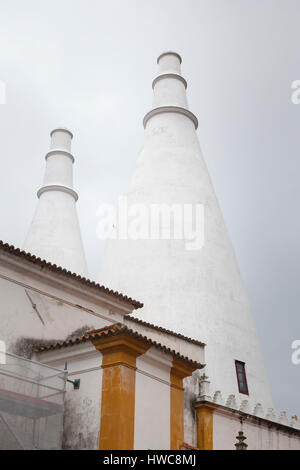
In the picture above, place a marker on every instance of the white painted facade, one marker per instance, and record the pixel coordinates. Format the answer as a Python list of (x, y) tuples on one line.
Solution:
[(198, 293), (261, 434), (185, 348), (54, 234), (82, 420), (42, 304), (152, 401), (83, 406)]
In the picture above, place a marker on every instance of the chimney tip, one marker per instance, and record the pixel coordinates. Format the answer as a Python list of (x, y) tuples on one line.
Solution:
[(169, 53), (64, 129)]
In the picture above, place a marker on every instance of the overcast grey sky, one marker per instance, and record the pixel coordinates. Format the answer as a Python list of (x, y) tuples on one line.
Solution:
[(88, 65)]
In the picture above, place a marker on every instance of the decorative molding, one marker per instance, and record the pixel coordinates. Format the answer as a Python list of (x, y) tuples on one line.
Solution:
[(231, 402), (283, 418), (63, 129), (170, 109), (245, 406), (169, 75), (169, 53), (217, 398), (204, 388), (294, 422), (82, 351), (250, 417), (58, 187), (120, 350), (153, 377), (258, 410), (60, 152), (271, 415)]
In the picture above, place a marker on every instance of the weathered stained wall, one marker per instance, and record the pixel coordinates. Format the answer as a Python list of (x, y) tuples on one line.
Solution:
[(260, 436), (191, 391), (45, 307), (82, 407)]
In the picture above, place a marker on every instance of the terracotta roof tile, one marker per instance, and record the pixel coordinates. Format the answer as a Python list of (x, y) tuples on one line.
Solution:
[(113, 330), (53, 267), (189, 447)]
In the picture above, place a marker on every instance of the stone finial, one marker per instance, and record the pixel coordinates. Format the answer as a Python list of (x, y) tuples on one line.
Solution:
[(231, 402), (218, 397), (271, 415), (258, 410), (204, 388), (283, 418), (294, 423), (245, 406), (241, 444)]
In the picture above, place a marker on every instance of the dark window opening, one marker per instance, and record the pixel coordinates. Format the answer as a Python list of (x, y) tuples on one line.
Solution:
[(241, 377)]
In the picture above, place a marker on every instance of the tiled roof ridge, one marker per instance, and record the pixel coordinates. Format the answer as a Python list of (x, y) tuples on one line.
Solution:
[(113, 330), (165, 330), (53, 267)]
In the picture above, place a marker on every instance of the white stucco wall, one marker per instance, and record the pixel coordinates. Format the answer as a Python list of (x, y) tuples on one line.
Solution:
[(34, 304), (185, 348), (152, 401), (83, 406), (259, 436)]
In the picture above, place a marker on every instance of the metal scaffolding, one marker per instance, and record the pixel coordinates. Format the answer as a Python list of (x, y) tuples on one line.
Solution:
[(31, 404)]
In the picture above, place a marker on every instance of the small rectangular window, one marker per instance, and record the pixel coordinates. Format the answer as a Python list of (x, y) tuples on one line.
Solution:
[(241, 377)]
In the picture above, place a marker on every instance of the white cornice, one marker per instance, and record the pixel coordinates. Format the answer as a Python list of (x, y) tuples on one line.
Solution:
[(169, 75), (170, 109), (60, 152), (57, 187), (84, 350)]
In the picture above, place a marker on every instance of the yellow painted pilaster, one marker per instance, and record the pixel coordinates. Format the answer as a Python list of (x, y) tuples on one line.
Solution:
[(205, 412), (118, 390)]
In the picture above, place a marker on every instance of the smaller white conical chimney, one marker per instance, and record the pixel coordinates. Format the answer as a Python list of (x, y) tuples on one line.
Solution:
[(54, 234)]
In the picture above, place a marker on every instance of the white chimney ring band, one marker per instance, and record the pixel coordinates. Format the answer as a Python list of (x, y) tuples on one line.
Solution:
[(169, 53), (170, 109), (58, 187), (62, 129), (60, 152), (169, 75)]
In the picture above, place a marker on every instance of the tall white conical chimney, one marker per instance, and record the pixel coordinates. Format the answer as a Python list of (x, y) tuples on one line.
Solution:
[(54, 234), (198, 293)]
